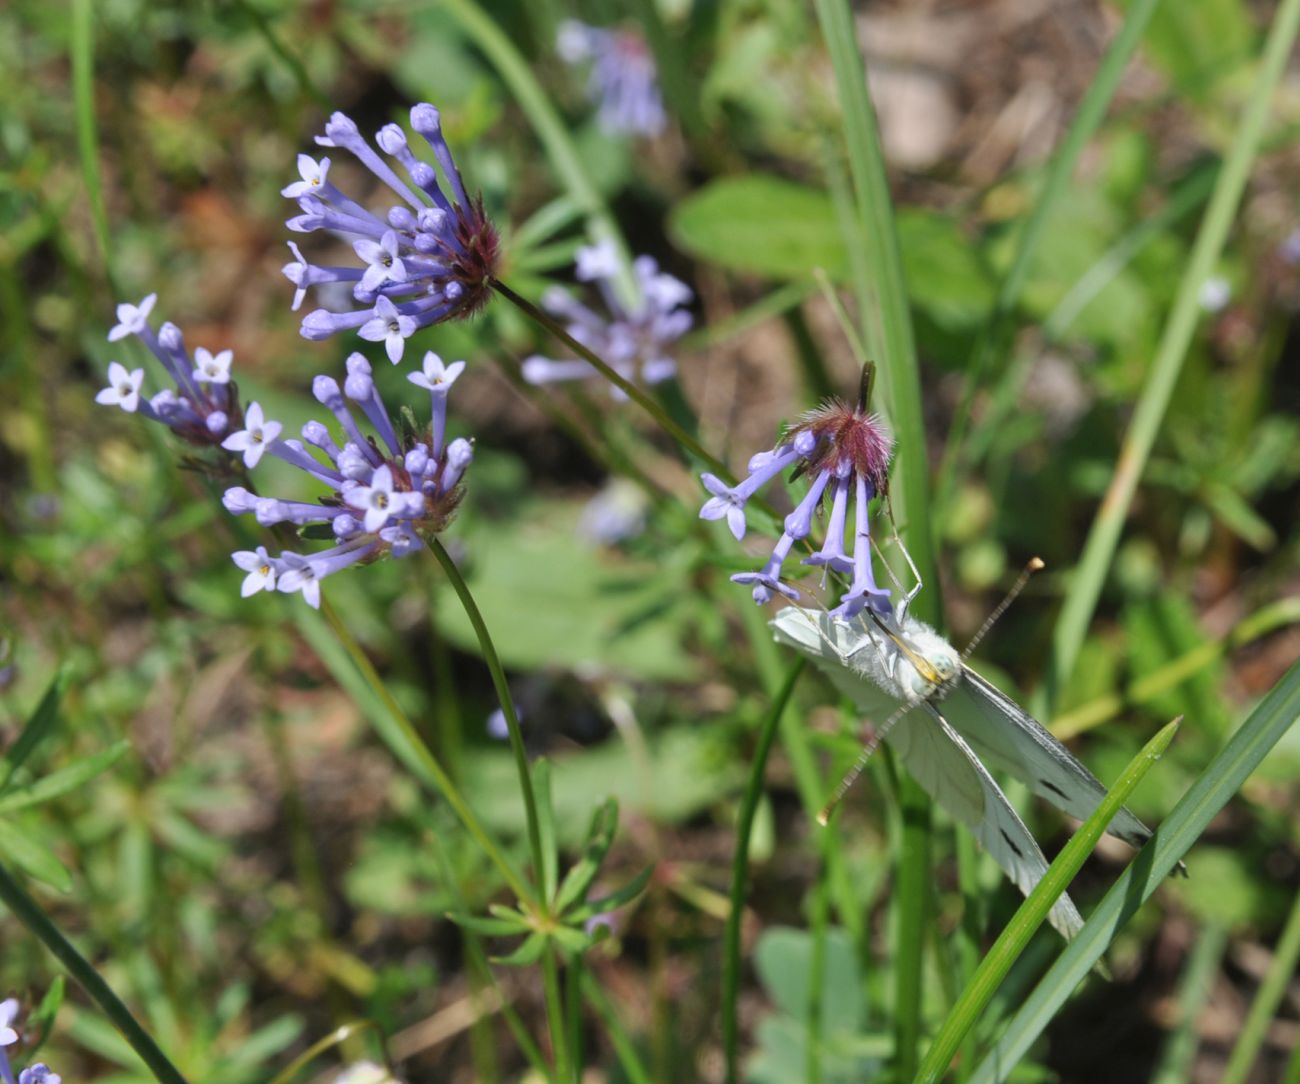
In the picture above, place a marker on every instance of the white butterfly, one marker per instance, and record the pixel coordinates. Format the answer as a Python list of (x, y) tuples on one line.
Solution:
[(899, 669)]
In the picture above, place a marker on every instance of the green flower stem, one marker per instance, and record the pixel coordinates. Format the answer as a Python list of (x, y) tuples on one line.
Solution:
[(29, 913), (1267, 999), (507, 706), (82, 47), (1085, 587), (740, 873), (1033, 912), (1091, 112), (636, 394), (412, 750), (565, 1071)]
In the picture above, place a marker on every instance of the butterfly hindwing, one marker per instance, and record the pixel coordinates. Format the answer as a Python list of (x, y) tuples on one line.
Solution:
[(940, 760), (1009, 739)]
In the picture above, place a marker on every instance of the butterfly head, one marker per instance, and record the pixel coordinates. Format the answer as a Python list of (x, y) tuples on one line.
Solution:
[(929, 666)]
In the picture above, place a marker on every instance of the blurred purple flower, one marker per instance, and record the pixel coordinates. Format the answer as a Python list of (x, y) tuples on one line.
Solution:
[(613, 515), (634, 341), (203, 409), (846, 453), (430, 258), (385, 494), (623, 83)]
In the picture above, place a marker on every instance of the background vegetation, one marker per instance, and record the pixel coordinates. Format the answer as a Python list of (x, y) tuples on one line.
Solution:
[(247, 864)]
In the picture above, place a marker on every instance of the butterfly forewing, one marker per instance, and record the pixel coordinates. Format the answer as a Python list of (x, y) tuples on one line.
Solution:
[(1009, 739)]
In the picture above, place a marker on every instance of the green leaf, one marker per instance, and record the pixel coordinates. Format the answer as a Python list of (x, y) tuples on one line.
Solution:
[(526, 954), (64, 780), (1199, 44), (626, 894), (33, 858), (600, 836), (761, 224), (1222, 778), (1033, 913), (488, 927), (38, 728)]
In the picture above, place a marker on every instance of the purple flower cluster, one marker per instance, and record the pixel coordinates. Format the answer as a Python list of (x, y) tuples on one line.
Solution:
[(40, 1073), (430, 258), (202, 409), (384, 494), (623, 83), (845, 452), (635, 340)]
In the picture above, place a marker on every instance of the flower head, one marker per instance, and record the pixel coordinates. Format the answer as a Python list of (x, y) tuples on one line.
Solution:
[(203, 408), (428, 258), (623, 83), (845, 452), (384, 492), (634, 341), (39, 1073)]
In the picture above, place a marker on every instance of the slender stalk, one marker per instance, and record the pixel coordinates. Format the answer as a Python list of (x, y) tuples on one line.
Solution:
[(740, 872), (632, 391), (624, 1050), (507, 705), (555, 1017), (1085, 587), (29, 913), (912, 900), (82, 47), (417, 755), (1195, 987), (819, 920), (1267, 999), (1091, 112)]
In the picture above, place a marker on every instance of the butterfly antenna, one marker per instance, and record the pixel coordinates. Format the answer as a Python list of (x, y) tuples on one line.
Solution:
[(828, 810), (1035, 564)]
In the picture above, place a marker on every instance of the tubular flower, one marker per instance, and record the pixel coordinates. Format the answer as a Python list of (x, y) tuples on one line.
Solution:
[(623, 83), (202, 409), (634, 341), (40, 1073), (845, 452), (430, 258), (384, 494)]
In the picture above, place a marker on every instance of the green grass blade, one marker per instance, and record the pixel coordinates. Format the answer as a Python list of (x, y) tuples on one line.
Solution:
[(1267, 999), (1085, 585), (551, 132), (39, 727), (1194, 993), (1033, 912), (1091, 111), (740, 873), (1202, 802), (888, 322)]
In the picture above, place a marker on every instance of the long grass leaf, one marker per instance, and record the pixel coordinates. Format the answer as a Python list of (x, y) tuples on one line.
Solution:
[(1215, 786), (1033, 912), (900, 384), (1195, 987), (1267, 999)]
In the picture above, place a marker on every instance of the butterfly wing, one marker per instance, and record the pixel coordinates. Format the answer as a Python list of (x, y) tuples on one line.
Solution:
[(941, 761), (1009, 739), (845, 653)]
